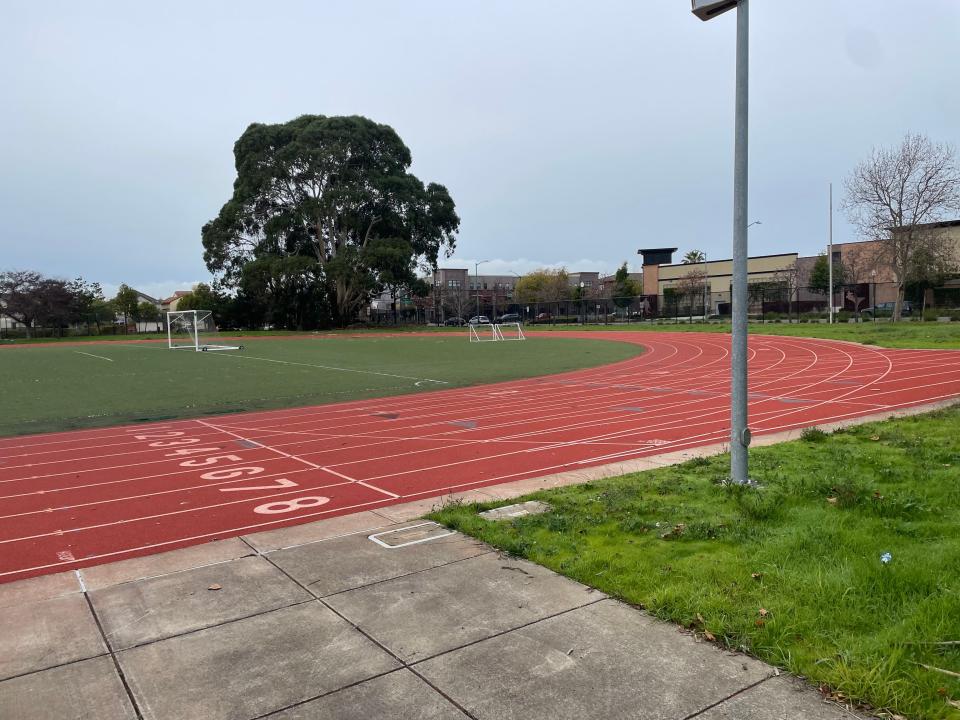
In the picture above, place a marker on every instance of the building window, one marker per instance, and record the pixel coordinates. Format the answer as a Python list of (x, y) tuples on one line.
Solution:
[(455, 284)]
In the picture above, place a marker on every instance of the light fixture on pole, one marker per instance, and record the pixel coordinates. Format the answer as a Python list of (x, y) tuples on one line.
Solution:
[(476, 279), (739, 433)]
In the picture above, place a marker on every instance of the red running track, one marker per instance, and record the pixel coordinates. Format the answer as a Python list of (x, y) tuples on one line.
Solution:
[(75, 499)]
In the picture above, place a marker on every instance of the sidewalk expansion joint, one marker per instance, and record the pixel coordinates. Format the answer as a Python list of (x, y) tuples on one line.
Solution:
[(113, 657)]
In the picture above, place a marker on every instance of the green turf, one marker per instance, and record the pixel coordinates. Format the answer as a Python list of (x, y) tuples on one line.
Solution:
[(792, 572), (932, 335), (57, 387)]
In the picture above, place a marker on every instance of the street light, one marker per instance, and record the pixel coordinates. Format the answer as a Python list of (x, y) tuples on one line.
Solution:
[(476, 279), (739, 433)]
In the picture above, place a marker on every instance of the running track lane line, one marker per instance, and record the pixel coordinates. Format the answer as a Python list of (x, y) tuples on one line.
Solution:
[(559, 413)]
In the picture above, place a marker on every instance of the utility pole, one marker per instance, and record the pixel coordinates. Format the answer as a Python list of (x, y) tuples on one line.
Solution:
[(739, 433), (830, 256), (476, 280)]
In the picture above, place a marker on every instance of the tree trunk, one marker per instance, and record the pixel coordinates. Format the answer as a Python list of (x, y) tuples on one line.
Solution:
[(898, 305)]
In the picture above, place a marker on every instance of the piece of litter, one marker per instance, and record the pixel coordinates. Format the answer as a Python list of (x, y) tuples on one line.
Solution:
[(886, 557), (215, 586)]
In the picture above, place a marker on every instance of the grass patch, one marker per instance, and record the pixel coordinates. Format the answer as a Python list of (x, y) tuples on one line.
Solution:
[(58, 387), (791, 572)]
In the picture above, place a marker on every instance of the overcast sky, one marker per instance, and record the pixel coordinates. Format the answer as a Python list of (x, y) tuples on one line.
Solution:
[(567, 133)]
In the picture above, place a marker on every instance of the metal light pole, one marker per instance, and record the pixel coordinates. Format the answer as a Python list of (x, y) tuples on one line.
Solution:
[(739, 433), (706, 277), (830, 256), (476, 279)]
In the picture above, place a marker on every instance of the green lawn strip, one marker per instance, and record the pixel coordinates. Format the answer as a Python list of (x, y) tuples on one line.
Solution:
[(51, 388), (792, 572), (928, 335)]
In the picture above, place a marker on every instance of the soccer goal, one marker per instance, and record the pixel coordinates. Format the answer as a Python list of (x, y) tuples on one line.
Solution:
[(495, 333), (194, 330), (510, 331)]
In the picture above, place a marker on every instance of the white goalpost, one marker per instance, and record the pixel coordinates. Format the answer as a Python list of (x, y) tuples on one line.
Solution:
[(194, 330), (496, 333)]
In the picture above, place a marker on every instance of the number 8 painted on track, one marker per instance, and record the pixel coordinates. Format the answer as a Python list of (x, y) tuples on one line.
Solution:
[(285, 506)]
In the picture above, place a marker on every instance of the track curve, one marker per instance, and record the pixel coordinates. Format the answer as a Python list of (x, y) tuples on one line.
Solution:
[(75, 499)]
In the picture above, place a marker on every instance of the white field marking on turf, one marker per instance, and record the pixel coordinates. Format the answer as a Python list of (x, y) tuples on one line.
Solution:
[(276, 414), (99, 357), (199, 508), (339, 369), (306, 417), (360, 482), (376, 536)]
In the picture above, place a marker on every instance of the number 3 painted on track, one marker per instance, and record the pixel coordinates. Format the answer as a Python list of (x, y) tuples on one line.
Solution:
[(285, 506)]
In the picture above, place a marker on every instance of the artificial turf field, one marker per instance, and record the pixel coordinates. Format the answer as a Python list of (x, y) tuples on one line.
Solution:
[(67, 386)]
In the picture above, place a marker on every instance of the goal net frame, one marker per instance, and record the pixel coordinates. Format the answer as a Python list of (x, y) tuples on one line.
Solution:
[(495, 334), (192, 323)]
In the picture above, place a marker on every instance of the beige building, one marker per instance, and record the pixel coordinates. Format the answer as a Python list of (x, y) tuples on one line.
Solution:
[(659, 276)]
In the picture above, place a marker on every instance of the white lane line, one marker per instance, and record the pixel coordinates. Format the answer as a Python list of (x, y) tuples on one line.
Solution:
[(361, 482), (99, 357), (262, 445), (339, 369)]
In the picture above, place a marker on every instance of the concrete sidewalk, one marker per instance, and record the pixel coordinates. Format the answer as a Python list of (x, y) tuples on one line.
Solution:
[(320, 621)]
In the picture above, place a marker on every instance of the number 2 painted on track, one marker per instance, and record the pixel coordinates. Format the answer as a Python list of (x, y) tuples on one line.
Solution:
[(285, 506)]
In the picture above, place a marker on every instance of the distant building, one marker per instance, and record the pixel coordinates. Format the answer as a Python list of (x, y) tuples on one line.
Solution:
[(170, 304)]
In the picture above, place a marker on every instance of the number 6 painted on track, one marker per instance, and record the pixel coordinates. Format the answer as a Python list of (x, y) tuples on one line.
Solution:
[(285, 506)]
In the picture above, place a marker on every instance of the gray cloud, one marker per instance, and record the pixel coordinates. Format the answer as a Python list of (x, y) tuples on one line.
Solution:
[(566, 132)]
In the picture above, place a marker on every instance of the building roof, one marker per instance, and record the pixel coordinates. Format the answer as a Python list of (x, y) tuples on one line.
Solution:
[(941, 224), (176, 294)]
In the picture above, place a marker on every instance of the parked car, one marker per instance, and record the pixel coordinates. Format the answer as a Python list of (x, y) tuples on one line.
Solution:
[(509, 318), (885, 309), (479, 320), (455, 322)]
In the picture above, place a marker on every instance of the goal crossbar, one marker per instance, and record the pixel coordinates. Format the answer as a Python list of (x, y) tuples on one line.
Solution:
[(192, 330)]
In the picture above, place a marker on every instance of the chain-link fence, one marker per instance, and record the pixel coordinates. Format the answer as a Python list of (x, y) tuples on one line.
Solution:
[(768, 302), (87, 327)]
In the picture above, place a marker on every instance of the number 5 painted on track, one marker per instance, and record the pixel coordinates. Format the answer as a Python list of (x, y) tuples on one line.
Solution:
[(285, 506)]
